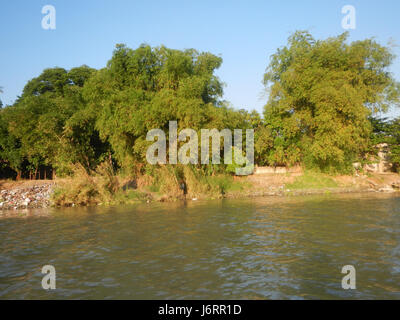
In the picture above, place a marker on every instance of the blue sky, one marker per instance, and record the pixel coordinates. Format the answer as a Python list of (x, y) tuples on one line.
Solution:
[(244, 33)]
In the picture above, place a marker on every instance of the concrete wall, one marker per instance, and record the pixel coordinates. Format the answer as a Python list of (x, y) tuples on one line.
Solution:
[(380, 164), (277, 170)]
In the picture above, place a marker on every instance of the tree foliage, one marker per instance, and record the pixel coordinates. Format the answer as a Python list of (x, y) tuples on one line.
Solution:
[(39, 128), (143, 89), (321, 94), (85, 116)]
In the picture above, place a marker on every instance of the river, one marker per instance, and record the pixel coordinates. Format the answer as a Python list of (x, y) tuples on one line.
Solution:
[(261, 248)]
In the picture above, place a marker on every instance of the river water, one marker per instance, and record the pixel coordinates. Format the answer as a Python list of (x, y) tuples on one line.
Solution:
[(264, 248)]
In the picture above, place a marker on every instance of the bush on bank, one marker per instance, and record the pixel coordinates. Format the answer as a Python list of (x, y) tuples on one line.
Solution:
[(163, 183)]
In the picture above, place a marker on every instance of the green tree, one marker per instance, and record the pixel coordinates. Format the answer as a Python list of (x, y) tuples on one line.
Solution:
[(321, 94), (46, 123), (144, 89), (10, 147)]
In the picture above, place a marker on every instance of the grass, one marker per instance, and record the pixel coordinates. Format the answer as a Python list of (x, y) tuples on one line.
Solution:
[(217, 185), (312, 180), (100, 187), (168, 181), (80, 189), (164, 183), (129, 197)]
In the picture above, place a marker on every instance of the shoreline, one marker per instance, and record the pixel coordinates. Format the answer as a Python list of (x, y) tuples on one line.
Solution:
[(34, 194), (28, 195)]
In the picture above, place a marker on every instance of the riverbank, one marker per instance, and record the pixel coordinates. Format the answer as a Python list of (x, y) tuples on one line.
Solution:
[(45, 193), (26, 194)]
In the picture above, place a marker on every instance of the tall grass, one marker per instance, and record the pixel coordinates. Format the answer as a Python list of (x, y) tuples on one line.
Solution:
[(196, 184), (99, 187), (185, 181), (80, 189), (169, 185), (164, 183), (215, 185)]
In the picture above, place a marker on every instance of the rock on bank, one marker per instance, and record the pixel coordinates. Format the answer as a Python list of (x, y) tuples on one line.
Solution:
[(29, 194)]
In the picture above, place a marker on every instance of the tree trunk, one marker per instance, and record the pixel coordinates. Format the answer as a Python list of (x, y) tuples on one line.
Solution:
[(110, 159)]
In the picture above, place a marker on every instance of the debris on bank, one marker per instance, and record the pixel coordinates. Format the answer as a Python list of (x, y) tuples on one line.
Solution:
[(35, 196)]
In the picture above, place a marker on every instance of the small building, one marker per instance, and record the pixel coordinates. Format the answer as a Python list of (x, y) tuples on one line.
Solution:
[(380, 163)]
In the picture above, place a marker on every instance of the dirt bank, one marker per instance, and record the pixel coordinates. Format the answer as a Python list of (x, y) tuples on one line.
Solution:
[(284, 184)]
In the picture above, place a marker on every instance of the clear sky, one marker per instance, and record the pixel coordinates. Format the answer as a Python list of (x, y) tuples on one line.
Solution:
[(244, 33)]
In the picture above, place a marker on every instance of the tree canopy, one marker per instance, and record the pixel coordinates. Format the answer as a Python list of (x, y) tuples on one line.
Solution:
[(321, 94), (85, 116), (143, 89)]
